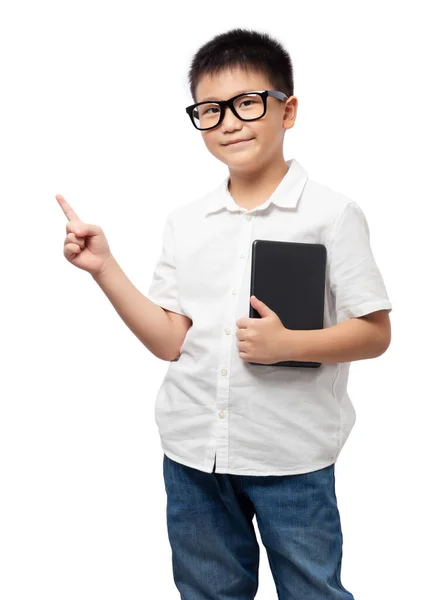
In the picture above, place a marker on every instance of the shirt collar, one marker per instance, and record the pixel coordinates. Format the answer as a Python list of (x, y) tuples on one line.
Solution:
[(286, 194)]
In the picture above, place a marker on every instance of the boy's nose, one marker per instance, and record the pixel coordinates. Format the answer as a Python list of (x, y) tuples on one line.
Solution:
[(229, 118)]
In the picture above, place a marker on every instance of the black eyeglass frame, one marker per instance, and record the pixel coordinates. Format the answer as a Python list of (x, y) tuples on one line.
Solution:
[(223, 103)]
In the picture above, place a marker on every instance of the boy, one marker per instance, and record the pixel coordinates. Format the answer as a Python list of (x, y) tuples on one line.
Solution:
[(242, 439), (239, 439)]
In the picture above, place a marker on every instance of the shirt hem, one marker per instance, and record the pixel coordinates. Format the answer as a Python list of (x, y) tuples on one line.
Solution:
[(360, 310), (168, 305), (294, 471)]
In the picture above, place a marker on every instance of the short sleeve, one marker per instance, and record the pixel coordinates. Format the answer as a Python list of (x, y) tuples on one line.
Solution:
[(355, 280), (163, 289)]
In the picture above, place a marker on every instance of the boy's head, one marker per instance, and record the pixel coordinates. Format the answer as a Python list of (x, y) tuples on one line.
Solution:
[(232, 63)]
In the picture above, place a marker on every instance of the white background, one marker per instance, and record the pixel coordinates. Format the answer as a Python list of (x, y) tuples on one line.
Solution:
[(92, 107)]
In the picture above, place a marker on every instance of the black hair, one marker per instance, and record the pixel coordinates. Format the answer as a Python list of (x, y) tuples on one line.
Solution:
[(247, 49)]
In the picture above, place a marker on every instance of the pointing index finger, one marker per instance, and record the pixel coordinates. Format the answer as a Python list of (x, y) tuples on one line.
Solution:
[(68, 211)]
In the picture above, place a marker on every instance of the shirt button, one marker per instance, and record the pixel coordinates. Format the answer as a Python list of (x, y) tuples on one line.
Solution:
[(249, 217), (227, 330), (234, 291), (221, 414), (242, 255), (224, 371)]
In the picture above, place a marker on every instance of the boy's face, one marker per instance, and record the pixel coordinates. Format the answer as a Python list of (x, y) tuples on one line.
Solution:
[(265, 135)]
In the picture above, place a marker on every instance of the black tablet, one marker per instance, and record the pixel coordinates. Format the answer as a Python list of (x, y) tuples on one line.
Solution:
[(289, 277)]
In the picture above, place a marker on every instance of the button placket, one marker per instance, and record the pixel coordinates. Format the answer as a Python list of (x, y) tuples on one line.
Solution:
[(227, 341)]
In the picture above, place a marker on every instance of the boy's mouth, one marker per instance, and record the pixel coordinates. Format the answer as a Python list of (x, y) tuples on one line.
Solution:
[(233, 143)]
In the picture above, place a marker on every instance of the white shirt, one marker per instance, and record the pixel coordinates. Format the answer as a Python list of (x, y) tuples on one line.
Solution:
[(257, 419)]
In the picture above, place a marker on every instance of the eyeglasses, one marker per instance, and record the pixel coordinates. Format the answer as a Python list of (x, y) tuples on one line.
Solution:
[(247, 107)]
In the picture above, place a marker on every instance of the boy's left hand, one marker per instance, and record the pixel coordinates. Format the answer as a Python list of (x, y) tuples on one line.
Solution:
[(264, 340)]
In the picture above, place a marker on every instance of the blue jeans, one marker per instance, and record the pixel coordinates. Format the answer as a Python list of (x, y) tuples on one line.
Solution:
[(215, 553)]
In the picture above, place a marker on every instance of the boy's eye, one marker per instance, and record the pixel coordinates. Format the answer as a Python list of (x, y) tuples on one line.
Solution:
[(243, 101), (207, 109)]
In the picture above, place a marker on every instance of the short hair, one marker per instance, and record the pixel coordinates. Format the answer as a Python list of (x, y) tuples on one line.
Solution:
[(247, 49)]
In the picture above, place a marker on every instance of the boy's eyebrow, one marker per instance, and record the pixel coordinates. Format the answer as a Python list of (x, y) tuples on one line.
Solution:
[(215, 98)]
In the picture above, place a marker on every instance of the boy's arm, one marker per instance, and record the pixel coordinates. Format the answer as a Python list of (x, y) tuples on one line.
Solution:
[(148, 321), (356, 338), (182, 324)]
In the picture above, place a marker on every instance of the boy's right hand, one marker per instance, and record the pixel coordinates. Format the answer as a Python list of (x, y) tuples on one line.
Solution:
[(85, 245)]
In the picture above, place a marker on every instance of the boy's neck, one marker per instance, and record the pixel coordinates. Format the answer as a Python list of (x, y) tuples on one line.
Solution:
[(251, 190)]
